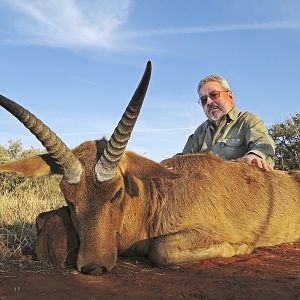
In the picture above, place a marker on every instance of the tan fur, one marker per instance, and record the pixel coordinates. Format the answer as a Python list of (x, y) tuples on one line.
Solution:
[(36, 166), (189, 207)]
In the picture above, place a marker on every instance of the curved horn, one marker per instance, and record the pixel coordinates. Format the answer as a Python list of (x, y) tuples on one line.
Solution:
[(107, 165), (62, 155)]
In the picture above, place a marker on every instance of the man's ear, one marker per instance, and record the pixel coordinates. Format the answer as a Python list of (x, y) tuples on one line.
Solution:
[(35, 166)]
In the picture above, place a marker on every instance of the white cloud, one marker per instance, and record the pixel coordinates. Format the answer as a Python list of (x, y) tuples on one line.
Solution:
[(69, 23), (96, 24), (219, 28)]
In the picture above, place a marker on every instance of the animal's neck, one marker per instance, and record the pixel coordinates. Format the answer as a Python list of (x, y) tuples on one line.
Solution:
[(156, 200), (142, 218)]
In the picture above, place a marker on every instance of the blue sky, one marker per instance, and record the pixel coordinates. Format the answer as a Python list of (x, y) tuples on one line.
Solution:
[(75, 64)]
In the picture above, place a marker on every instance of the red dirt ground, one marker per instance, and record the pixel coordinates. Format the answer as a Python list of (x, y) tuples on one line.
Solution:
[(268, 273)]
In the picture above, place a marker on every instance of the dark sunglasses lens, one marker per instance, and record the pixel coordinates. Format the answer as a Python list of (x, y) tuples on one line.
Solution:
[(203, 100), (214, 95)]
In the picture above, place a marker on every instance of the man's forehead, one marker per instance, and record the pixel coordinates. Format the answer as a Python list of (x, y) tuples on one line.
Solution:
[(210, 85)]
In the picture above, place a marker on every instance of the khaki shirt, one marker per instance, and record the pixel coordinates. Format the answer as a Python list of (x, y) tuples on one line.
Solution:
[(238, 133)]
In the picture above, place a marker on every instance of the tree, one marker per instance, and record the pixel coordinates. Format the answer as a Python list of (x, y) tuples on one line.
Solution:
[(14, 150), (287, 140)]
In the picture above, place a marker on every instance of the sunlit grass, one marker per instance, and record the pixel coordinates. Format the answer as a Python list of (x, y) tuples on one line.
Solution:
[(21, 200)]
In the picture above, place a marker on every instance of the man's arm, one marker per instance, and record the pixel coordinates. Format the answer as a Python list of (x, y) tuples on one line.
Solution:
[(261, 147), (195, 140)]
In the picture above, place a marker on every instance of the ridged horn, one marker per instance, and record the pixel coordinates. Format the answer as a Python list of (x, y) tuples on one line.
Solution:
[(106, 166), (63, 156)]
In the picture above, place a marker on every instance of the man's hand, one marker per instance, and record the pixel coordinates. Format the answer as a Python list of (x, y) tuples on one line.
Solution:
[(253, 159)]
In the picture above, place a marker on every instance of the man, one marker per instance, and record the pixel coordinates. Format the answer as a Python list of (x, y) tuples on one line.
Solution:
[(229, 133)]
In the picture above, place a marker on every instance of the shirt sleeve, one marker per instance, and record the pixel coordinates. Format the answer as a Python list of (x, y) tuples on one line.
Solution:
[(258, 140), (195, 140)]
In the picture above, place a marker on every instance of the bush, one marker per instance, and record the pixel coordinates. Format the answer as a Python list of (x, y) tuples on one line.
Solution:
[(14, 150), (287, 140)]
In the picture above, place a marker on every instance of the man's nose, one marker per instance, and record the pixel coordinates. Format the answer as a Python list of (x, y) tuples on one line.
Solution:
[(209, 100)]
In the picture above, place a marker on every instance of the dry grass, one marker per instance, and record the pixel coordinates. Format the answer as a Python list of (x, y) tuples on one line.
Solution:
[(21, 200)]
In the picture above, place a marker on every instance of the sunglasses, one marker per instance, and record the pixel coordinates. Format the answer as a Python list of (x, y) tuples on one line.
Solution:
[(213, 95)]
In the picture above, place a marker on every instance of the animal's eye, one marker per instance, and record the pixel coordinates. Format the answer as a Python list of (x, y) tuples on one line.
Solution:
[(117, 195)]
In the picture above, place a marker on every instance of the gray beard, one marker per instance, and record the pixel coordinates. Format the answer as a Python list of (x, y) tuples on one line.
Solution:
[(214, 117)]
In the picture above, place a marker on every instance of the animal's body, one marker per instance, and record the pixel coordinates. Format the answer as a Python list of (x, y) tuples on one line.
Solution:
[(212, 208), (189, 207)]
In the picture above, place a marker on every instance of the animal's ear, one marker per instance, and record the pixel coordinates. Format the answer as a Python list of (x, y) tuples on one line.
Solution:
[(143, 167), (131, 187), (35, 166)]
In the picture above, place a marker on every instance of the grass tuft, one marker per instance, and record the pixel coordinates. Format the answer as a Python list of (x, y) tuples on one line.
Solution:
[(21, 200)]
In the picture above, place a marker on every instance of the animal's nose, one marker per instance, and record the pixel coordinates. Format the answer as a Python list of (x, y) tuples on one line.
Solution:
[(93, 269)]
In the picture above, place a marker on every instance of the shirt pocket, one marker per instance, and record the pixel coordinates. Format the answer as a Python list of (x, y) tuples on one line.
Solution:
[(232, 148), (233, 142)]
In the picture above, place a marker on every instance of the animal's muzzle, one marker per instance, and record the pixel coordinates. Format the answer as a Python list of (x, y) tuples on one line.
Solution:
[(93, 269)]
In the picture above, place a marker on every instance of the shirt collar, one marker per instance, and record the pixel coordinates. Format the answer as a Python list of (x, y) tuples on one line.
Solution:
[(232, 114)]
